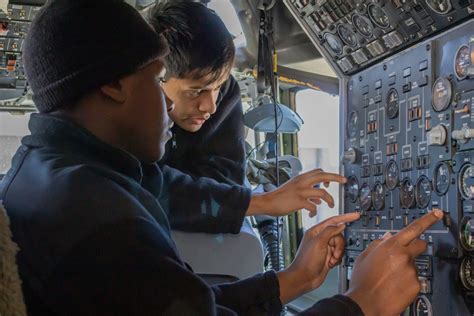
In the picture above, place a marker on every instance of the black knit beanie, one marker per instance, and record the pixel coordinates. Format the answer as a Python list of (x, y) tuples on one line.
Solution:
[(76, 46)]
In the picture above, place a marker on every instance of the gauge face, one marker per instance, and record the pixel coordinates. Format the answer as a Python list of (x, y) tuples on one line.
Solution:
[(378, 16), (466, 182), (442, 94), (347, 35), (466, 233), (440, 6), (407, 194), (391, 175), (365, 197), (392, 103), (334, 43), (423, 192), (353, 124), (466, 273), (363, 25), (441, 178), (352, 187), (378, 196), (422, 307), (462, 62)]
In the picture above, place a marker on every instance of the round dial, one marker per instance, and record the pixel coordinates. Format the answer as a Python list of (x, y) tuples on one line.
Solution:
[(423, 192), (347, 35), (422, 307), (352, 188), (353, 124), (462, 62), (441, 178), (363, 25), (466, 233), (466, 273), (334, 43), (440, 6), (378, 16), (442, 94), (378, 196), (466, 182), (391, 175), (365, 197), (407, 194), (392, 103)]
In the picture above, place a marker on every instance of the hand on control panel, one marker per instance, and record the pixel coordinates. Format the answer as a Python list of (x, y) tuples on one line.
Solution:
[(384, 280), (321, 249), (298, 193)]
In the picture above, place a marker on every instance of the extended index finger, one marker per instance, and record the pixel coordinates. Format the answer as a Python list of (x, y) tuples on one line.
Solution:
[(341, 219), (415, 229), (318, 177)]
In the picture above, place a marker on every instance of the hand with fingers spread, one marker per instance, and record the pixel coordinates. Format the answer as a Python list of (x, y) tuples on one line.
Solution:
[(384, 280), (298, 193), (321, 249)]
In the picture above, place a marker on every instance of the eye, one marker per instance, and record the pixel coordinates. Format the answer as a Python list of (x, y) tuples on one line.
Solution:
[(162, 80)]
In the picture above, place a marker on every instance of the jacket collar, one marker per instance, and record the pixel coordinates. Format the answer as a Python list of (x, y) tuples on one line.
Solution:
[(53, 131)]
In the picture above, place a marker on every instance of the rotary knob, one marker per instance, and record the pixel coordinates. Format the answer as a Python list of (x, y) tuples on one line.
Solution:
[(437, 136), (350, 156)]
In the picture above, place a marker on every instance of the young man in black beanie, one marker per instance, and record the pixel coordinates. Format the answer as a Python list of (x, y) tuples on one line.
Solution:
[(93, 239)]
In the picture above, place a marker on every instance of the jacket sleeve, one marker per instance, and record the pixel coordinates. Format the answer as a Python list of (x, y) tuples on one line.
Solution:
[(203, 204), (129, 269), (334, 306)]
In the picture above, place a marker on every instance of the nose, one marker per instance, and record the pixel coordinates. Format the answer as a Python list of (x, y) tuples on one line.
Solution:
[(207, 103), (169, 104)]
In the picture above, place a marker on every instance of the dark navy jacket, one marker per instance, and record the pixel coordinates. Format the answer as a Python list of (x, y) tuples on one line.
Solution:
[(95, 241)]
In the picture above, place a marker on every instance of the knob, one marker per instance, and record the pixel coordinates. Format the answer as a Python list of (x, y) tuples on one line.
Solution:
[(437, 136), (463, 134), (458, 135), (350, 155)]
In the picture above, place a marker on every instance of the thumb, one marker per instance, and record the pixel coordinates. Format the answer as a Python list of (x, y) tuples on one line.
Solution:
[(331, 231)]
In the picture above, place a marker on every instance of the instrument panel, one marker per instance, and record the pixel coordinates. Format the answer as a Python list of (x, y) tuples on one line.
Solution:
[(408, 148), (356, 34), (14, 26)]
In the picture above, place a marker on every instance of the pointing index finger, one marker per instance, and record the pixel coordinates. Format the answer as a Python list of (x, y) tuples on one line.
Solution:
[(415, 229)]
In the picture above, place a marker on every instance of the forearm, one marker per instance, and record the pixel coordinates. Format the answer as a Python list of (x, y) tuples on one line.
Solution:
[(258, 202)]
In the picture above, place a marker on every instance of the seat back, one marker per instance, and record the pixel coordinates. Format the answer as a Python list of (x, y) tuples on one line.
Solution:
[(11, 295)]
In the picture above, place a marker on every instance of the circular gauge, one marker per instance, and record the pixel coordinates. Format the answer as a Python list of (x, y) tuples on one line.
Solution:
[(378, 16), (353, 124), (334, 43), (392, 103), (466, 273), (391, 175), (440, 6), (422, 307), (378, 196), (407, 194), (352, 187), (365, 197), (462, 62), (466, 182), (363, 25), (423, 192), (347, 35), (441, 178), (466, 233), (442, 94)]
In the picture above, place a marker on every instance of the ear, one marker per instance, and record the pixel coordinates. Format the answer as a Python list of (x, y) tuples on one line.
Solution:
[(115, 91)]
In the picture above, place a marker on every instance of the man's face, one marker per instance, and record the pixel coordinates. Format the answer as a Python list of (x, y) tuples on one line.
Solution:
[(194, 100), (146, 121)]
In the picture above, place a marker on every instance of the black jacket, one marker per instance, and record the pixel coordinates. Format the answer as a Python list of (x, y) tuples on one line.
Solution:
[(95, 241)]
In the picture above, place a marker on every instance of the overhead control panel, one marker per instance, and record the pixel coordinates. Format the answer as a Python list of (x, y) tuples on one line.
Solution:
[(409, 148), (14, 26), (355, 34)]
